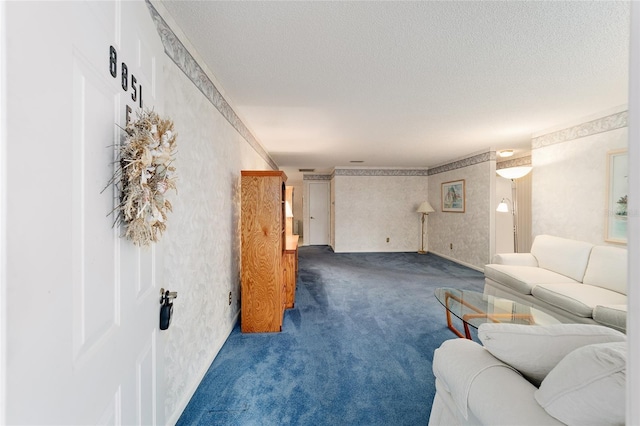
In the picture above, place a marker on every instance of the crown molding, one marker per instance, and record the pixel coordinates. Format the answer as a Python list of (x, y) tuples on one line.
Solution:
[(465, 162), (380, 172), (317, 177), (593, 127), (514, 162)]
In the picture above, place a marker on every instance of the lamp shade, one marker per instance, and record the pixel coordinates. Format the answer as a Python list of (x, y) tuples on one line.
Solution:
[(425, 207), (288, 211), (514, 172), (503, 207)]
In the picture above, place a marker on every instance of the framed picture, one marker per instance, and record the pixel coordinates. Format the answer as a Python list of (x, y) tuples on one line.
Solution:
[(453, 196), (617, 191)]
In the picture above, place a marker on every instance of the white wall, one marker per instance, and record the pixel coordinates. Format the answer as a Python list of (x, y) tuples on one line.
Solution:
[(470, 233), (332, 214), (570, 177), (372, 205), (201, 258), (202, 241)]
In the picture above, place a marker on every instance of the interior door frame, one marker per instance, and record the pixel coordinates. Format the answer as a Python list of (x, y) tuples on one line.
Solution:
[(307, 210)]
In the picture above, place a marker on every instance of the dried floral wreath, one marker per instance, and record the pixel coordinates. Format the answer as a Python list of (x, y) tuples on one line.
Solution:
[(145, 174)]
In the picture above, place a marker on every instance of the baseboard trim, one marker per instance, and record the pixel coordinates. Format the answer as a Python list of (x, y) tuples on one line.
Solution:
[(458, 261), (173, 419)]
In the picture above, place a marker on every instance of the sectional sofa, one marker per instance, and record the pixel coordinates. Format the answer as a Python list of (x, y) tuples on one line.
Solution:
[(573, 280), (579, 379)]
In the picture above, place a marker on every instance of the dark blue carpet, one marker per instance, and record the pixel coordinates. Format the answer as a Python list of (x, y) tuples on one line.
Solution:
[(356, 349)]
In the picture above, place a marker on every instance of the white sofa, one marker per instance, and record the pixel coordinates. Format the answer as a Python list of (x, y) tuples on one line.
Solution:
[(578, 379), (568, 279)]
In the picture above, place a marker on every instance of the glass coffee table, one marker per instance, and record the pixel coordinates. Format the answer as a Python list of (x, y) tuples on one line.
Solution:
[(475, 308)]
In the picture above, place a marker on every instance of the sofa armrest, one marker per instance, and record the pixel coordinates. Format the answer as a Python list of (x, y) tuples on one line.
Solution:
[(457, 363), (479, 383), (517, 259)]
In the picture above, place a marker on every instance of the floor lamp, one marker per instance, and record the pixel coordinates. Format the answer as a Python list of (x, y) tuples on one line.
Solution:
[(425, 208), (504, 208)]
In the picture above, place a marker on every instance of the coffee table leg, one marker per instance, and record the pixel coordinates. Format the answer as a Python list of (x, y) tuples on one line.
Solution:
[(450, 324), (466, 330)]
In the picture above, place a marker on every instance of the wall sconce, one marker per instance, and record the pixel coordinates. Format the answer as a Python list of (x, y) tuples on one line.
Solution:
[(503, 207), (425, 208)]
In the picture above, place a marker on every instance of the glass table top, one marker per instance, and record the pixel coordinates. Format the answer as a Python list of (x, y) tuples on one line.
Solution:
[(475, 308)]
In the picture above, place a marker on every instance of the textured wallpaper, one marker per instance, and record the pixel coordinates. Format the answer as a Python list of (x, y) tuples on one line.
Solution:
[(369, 209), (465, 237), (201, 246), (569, 185)]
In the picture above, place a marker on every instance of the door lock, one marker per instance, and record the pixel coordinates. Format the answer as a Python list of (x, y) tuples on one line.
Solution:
[(166, 307), (167, 295)]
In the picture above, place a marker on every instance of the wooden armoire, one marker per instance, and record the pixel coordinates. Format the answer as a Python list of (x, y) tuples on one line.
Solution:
[(263, 243)]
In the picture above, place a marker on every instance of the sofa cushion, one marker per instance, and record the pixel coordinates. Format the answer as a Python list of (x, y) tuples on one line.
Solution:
[(520, 346), (523, 278), (561, 255), (611, 315), (607, 268), (588, 386), (578, 299)]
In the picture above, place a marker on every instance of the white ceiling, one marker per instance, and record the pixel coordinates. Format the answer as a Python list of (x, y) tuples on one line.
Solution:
[(408, 84)]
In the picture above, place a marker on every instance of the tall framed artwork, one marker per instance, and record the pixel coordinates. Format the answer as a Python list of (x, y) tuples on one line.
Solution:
[(453, 196), (617, 191)]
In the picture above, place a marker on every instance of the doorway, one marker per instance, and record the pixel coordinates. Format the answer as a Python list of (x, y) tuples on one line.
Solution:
[(318, 229)]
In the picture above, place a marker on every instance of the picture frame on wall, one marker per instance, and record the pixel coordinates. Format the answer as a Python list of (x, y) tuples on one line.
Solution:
[(453, 196), (617, 192)]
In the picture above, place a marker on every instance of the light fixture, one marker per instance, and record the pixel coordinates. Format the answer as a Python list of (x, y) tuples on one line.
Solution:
[(505, 153), (514, 172), (504, 208), (425, 208), (287, 208)]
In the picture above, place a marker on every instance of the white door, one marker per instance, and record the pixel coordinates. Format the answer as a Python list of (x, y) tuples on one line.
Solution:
[(82, 345), (318, 213)]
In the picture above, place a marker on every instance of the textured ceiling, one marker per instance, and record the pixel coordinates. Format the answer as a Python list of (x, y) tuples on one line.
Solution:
[(408, 84)]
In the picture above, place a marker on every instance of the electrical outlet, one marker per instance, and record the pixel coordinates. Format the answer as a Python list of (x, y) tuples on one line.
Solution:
[(229, 298), (387, 239)]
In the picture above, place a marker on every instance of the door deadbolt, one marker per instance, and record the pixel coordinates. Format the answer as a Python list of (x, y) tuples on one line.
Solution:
[(166, 307), (167, 296)]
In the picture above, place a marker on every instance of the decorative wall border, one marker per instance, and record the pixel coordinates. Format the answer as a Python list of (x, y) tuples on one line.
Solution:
[(179, 54), (465, 162), (514, 162), (380, 172), (317, 177), (600, 125)]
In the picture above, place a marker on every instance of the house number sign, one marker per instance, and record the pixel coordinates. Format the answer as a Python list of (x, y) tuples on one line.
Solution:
[(126, 81)]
